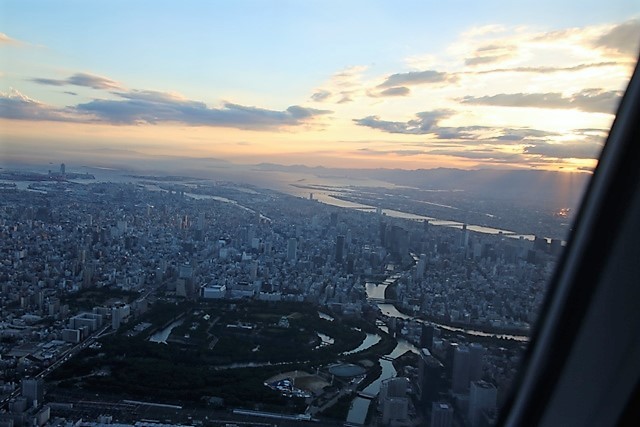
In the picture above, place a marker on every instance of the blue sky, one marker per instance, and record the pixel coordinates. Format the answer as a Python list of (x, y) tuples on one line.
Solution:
[(192, 71)]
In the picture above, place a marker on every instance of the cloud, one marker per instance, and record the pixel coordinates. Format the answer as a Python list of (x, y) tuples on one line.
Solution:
[(342, 87), (321, 95), (427, 123), (5, 39), (392, 91), (589, 100), (587, 149), (403, 153), (623, 38), (150, 107), (81, 79), (160, 107), (417, 78), (492, 52), (547, 69), (14, 105), (485, 154), (423, 124), (461, 132), (49, 82)]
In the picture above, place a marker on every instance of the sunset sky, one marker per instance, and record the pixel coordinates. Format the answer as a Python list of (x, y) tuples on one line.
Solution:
[(397, 84)]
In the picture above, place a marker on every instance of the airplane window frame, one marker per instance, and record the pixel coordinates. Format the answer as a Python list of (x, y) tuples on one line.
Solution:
[(593, 278)]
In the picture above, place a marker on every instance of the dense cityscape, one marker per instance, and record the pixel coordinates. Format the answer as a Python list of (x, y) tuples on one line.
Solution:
[(174, 300), (318, 213)]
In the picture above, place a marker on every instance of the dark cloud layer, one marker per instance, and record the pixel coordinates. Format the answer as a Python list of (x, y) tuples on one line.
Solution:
[(137, 107), (589, 100)]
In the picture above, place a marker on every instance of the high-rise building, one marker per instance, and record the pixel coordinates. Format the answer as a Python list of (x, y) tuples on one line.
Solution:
[(383, 233), (116, 318), (430, 373), (482, 398), (334, 219), (460, 375), (350, 263), (201, 221), (339, 248), (441, 414), (186, 271), (421, 267), (394, 400), (426, 336), (464, 236), (476, 355), (33, 390), (292, 249)]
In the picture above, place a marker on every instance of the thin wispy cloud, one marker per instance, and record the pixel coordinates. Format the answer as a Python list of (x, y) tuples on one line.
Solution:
[(545, 69), (402, 153), (428, 123), (588, 100), (82, 79), (421, 125), (6, 40), (392, 91), (342, 87), (489, 53), (418, 78), (587, 149)]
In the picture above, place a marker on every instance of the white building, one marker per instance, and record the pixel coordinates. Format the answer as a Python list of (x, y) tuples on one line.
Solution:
[(214, 291)]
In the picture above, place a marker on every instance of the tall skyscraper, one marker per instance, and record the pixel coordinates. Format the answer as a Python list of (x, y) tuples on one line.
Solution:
[(464, 237), (394, 400), (421, 267), (460, 377), (350, 263), (430, 373), (482, 397), (33, 390), (201, 221), (339, 248), (476, 355), (426, 336), (292, 250), (441, 414)]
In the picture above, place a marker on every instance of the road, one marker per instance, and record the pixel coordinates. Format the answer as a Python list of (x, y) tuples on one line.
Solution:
[(62, 359)]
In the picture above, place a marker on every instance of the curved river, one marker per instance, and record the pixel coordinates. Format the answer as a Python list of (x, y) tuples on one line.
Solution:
[(375, 291)]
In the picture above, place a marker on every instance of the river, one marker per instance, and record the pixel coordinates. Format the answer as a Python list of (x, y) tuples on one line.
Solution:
[(329, 199), (360, 405), (162, 335), (375, 291), (370, 340)]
